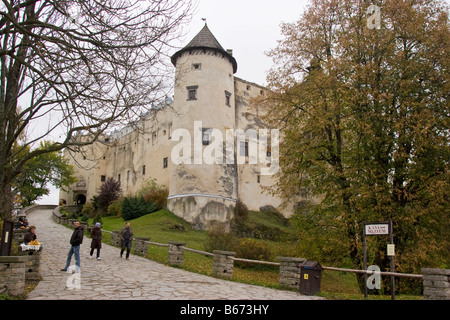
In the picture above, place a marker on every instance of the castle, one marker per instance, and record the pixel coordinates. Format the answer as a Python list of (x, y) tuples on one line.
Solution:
[(208, 103)]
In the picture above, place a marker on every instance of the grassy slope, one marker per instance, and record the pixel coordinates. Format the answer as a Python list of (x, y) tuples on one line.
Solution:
[(162, 226)]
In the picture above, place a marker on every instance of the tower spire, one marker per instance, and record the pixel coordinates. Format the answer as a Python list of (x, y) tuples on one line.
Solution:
[(205, 40)]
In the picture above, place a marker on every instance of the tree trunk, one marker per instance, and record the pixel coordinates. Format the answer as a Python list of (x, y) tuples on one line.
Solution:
[(6, 201)]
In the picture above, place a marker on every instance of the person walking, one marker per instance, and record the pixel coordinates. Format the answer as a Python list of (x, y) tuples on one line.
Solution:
[(126, 235), (96, 243), (75, 241)]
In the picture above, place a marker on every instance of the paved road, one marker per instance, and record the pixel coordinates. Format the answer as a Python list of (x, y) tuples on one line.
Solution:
[(119, 279)]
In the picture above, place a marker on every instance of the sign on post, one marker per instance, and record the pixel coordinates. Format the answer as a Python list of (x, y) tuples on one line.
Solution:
[(391, 250), (7, 233), (375, 229), (380, 229)]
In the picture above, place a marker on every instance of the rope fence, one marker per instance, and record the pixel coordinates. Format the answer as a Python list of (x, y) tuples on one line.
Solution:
[(291, 269), (368, 272)]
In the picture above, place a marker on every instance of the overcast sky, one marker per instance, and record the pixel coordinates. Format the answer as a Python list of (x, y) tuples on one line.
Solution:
[(249, 27)]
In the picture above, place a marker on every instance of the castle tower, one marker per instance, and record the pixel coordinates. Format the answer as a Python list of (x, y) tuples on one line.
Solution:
[(202, 192)]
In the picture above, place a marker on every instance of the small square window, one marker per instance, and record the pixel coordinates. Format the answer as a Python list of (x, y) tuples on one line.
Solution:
[(103, 178), (196, 66)]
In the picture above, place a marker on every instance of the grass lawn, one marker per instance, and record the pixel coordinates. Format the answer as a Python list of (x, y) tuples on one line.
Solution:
[(163, 226)]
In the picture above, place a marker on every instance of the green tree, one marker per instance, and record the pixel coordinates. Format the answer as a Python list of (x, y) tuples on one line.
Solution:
[(47, 168), (364, 116)]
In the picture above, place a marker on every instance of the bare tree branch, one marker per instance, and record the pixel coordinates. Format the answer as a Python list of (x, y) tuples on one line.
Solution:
[(84, 65)]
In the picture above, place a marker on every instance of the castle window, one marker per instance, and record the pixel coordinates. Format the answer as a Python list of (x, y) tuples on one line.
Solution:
[(143, 170), (206, 136), (227, 98), (170, 131), (243, 149), (128, 175), (103, 178), (192, 92), (258, 178), (196, 66), (249, 87), (154, 136), (118, 177), (165, 162)]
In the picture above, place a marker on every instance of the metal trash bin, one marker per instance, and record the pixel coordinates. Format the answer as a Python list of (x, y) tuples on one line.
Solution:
[(310, 276)]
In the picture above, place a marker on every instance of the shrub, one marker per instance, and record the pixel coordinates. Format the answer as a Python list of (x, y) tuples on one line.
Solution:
[(64, 212), (158, 196), (220, 239), (151, 191), (73, 215), (251, 249), (115, 208), (135, 207), (98, 218), (88, 209), (240, 211)]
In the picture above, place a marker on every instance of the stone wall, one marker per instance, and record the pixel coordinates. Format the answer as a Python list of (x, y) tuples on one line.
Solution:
[(12, 274), (141, 246), (33, 264), (436, 284), (115, 239), (290, 271), (176, 255), (223, 264)]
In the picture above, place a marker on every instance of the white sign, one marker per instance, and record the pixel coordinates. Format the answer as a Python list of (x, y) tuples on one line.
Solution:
[(377, 229), (391, 250)]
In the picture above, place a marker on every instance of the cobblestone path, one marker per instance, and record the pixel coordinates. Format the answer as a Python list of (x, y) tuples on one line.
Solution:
[(119, 279)]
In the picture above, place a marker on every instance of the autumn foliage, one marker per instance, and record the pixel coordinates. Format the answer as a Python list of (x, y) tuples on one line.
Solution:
[(363, 114)]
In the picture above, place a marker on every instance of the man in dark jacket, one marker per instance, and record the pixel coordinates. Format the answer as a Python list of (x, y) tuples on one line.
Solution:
[(75, 241), (126, 235)]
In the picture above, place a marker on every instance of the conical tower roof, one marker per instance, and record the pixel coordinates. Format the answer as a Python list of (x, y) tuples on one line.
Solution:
[(205, 40)]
